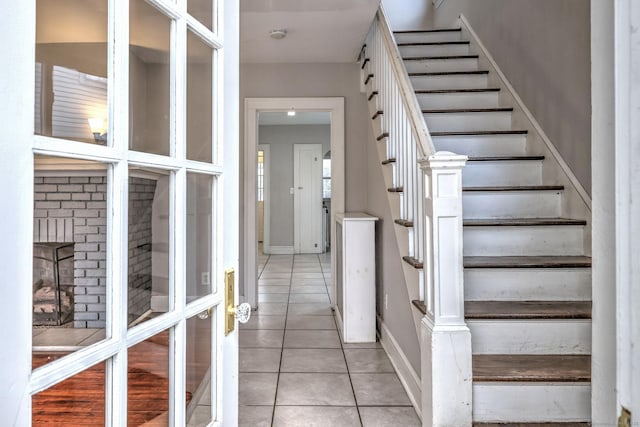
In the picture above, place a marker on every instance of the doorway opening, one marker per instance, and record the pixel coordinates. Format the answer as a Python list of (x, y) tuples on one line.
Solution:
[(281, 192)]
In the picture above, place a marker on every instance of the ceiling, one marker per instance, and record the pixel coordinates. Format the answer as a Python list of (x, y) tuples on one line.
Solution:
[(301, 118), (317, 30)]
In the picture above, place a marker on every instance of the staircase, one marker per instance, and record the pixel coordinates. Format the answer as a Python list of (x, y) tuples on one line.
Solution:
[(526, 238)]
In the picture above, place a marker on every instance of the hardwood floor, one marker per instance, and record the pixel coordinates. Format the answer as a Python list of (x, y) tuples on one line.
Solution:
[(80, 400)]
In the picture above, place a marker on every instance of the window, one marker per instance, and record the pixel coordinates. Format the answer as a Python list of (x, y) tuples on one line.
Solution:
[(326, 178)]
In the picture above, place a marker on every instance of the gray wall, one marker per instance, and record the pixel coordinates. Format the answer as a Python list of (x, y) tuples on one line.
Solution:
[(281, 139), (543, 47), (365, 190), (318, 80), (389, 275)]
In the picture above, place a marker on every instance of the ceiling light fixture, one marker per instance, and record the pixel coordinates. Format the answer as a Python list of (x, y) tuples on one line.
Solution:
[(278, 34)]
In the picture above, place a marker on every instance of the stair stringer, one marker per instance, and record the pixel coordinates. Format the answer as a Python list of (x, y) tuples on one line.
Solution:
[(413, 278)]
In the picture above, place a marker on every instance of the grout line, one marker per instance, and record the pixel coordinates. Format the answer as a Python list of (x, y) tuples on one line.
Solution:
[(284, 333), (344, 356)]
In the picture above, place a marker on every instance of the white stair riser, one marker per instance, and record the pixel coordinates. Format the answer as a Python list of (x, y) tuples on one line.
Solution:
[(458, 100), (511, 172), (527, 402), (511, 204), (523, 241), (440, 36), (454, 81), (433, 50), (441, 65), (462, 122), (527, 284), (482, 145), (530, 336)]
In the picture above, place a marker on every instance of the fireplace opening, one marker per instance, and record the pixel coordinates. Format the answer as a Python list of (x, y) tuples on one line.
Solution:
[(53, 276)]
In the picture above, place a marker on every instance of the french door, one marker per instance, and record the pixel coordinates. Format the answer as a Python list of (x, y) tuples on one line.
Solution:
[(121, 204)]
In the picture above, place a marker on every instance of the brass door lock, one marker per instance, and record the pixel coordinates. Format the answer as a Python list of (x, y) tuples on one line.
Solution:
[(242, 311)]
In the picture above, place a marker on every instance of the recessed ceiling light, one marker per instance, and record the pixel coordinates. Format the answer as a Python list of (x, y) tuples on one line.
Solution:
[(278, 34)]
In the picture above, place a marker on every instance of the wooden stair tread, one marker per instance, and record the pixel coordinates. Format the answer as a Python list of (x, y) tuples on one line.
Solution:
[(437, 30), (469, 110), (395, 189), (439, 57), (455, 42), (481, 133), (449, 73), (388, 161), (382, 136), (548, 424), (420, 306), (440, 91), (503, 158), (527, 262), (412, 262), (527, 309), (404, 223), (520, 222), (517, 188), (531, 368)]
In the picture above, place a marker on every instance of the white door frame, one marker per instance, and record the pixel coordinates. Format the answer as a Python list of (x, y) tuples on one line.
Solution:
[(266, 207), (17, 168), (298, 213), (253, 106)]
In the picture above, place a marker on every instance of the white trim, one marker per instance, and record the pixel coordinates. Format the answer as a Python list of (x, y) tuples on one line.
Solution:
[(266, 194), (627, 148), (252, 106), (408, 376), (550, 146), (281, 250)]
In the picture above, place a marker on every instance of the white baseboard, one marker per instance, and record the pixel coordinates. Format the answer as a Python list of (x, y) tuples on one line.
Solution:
[(408, 376), (278, 250)]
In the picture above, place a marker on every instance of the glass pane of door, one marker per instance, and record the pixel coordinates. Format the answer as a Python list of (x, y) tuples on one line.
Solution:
[(79, 400), (70, 249), (149, 243), (199, 235), (71, 70)]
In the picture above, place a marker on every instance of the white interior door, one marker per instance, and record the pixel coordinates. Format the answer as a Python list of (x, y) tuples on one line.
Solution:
[(137, 174), (307, 180)]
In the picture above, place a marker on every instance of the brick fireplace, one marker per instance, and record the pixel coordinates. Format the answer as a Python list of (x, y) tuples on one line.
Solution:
[(72, 210)]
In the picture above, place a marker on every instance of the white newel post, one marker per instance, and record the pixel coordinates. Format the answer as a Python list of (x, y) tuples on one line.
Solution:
[(445, 338)]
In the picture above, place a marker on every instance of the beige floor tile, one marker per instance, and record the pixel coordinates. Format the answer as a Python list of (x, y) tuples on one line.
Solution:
[(259, 359), (379, 390), (260, 338), (284, 297), (255, 416), (308, 298), (315, 389), (257, 389), (313, 360), (315, 416), (264, 289), (262, 321), (311, 322), (367, 361), (311, 339), (389, 417), (271, 308), (312, 289), (310, 309)]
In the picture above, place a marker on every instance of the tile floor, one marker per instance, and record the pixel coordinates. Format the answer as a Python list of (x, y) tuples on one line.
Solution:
[(294, 369)]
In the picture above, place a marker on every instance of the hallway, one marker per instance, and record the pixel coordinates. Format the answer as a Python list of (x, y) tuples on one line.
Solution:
[(291, 356)]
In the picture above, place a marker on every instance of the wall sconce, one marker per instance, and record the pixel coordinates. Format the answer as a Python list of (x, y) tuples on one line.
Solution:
[(291, 113), (98, 127)]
